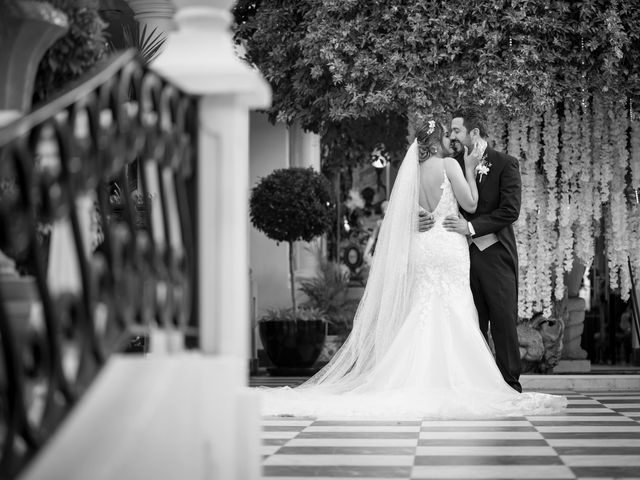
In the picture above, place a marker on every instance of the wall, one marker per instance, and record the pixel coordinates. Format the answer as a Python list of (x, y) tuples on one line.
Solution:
[(304, 152), (268, 150)]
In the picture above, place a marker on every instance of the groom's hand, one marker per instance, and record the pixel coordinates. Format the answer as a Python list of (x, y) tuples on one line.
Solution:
[(453, 223), (425, 221)]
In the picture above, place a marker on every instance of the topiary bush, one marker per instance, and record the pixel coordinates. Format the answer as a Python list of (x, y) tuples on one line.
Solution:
[(292, 204)]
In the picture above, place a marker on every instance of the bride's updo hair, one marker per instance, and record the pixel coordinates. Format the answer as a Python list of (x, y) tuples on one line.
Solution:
[(429, 135)]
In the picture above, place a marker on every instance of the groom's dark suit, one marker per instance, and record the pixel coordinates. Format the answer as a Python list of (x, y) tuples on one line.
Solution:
[(494, 270)]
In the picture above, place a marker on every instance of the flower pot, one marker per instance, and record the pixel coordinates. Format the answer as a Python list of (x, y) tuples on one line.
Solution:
[(293, 345)]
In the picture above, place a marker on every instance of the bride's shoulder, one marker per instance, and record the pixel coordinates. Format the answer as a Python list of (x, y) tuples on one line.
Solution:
[(450, 162), (452, 167)]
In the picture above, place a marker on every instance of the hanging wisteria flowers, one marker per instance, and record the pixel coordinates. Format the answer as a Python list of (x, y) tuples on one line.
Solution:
[(584, 159)]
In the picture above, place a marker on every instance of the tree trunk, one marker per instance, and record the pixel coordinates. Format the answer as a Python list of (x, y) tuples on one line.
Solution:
[(292, 279)]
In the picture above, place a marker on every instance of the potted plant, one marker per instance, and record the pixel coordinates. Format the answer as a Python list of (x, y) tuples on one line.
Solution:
[(328, 292), (290, 205), (293, 341)]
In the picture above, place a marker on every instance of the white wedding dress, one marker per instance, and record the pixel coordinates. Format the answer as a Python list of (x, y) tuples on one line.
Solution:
[(430, 360)]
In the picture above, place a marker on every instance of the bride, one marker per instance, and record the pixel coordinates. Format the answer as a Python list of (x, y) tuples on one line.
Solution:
[(416, 349)]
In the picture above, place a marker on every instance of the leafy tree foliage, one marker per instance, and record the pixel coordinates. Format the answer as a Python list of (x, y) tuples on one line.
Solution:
[(349, 63), (292, 204), (351, 141), (76, 52)]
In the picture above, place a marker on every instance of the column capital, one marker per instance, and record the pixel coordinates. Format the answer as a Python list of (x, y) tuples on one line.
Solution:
[(216, 4), (200, 56), (144, 10)]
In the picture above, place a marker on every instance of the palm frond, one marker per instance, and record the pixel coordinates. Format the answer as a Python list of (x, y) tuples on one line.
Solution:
[(148, 43)]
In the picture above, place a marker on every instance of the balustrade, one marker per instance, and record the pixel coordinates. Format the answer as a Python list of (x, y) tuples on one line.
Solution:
[(120, 264)]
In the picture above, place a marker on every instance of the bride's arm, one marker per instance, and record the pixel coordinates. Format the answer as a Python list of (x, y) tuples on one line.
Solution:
[(464, 185)]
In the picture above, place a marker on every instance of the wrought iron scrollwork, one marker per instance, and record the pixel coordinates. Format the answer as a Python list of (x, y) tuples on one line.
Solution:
[(65, 164)]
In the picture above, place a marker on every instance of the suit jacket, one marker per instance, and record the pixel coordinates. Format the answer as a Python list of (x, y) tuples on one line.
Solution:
[(499, 197)]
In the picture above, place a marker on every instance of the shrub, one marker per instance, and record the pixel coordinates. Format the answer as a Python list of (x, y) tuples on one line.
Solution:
[(292, 204), (328, 292)]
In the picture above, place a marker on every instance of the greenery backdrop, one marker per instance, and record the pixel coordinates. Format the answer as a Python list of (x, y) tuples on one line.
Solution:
[(332, 61), (559, 79)]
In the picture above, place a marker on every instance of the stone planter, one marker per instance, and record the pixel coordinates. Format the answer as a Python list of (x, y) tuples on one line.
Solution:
[(291, 346)]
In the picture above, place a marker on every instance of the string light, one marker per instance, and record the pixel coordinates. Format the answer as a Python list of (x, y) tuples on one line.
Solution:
[(583, 102), (379, 160), (379, 163)]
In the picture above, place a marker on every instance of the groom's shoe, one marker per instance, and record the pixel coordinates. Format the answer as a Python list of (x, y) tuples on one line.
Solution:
[(516, 386)]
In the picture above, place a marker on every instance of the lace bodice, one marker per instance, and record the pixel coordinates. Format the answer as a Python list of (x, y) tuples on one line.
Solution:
[(441, 258)]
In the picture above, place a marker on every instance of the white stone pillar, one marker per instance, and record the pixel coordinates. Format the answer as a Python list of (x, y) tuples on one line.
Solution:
[(199, 59), (304, 151), (156, 14)]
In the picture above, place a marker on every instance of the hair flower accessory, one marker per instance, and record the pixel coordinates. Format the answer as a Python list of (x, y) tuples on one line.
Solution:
[(432, 127)]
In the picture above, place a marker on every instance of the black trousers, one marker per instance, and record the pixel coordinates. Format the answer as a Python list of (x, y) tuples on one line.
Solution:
[(495, 293)]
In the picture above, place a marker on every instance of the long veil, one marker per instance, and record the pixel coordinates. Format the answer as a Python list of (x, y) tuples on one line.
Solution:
[(386, 299)]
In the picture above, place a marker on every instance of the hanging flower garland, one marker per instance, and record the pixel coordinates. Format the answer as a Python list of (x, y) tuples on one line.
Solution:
[(545, 246), (616, 236), (530, 144), (606, 151), (543, 237), (513, 137), (568, 190), (535, 234), (597, 136), (585, 234), (496, 127), (550, 160), (585, 160)]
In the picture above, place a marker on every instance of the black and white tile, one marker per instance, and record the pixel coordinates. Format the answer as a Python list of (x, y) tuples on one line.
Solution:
[(597, 437)]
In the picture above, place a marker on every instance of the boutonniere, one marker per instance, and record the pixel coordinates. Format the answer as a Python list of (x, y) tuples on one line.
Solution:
[(483, 167)]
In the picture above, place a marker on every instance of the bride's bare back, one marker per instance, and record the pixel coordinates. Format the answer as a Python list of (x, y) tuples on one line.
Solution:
[(432, 174), (431, 178)]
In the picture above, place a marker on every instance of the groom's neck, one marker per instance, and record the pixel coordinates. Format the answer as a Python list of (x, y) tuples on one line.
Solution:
[(481, 145)]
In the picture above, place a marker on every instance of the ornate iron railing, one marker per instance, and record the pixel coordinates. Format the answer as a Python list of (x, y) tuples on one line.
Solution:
[(82, 156)]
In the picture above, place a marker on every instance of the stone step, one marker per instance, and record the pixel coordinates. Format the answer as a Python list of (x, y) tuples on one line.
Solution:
[(582, 383)]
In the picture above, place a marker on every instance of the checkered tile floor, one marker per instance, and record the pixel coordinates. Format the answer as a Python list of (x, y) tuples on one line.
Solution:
[(597, 437)]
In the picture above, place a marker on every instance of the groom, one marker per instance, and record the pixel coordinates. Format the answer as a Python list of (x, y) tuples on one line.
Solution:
[(492, 248)]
